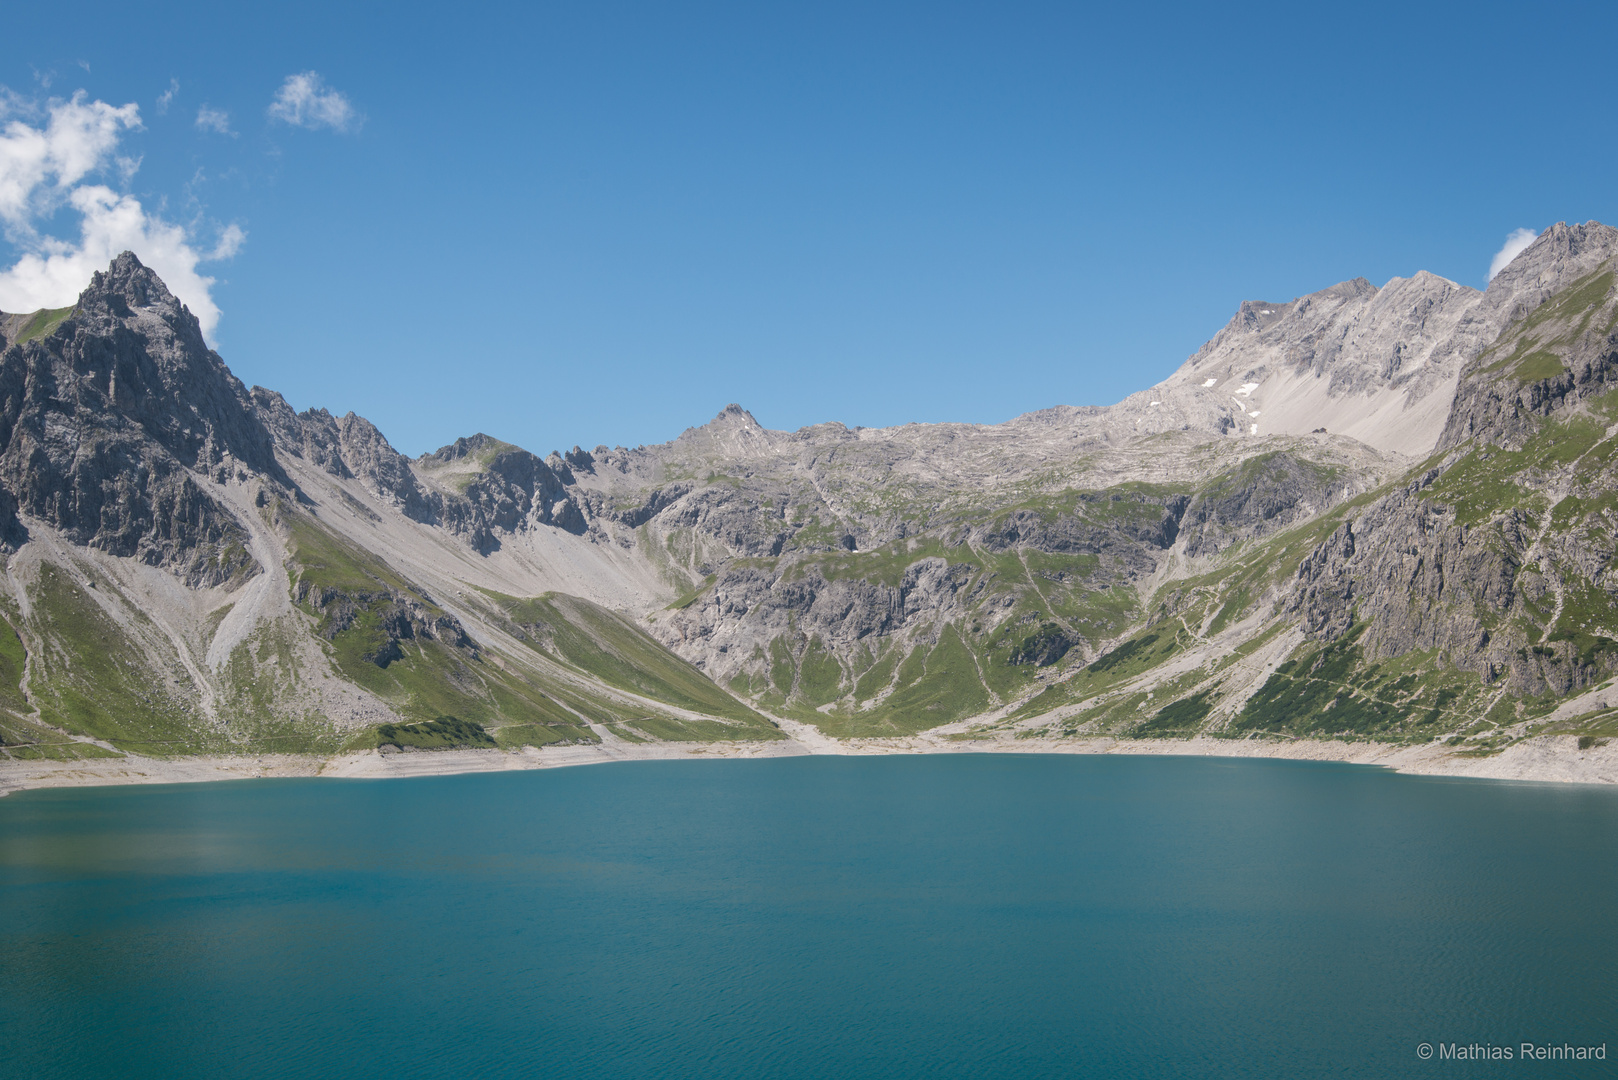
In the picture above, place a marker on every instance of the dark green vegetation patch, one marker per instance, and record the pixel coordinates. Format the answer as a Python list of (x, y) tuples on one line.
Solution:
[(1123, 654), (1334, 691), (1181, 718), (1043, 647), (444, 733)]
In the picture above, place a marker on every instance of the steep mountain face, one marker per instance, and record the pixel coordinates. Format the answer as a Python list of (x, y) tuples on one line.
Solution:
[(1496, 556), (1375, 364), (110, 421), (1383, 513), (1379, 365)]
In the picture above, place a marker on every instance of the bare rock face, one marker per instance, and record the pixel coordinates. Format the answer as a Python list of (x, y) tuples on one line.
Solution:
[(1379, 365), (1374, 364), (1499, 557), (345, 447), (113, 423), (1498, 398), (518, 489)]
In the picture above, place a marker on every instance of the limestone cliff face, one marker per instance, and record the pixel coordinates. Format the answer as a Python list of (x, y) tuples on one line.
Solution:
[(1379, 364), (114, 424)]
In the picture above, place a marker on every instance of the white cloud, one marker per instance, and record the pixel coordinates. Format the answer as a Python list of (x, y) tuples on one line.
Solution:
[(38, 166), (167, 96), (42, 169), (216, 120), (230, 242), (305, 100), (1514, 245)]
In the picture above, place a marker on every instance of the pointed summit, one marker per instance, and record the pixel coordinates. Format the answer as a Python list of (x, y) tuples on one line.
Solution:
[(733, 430), (129, 290), (136, 343), (735, 414)]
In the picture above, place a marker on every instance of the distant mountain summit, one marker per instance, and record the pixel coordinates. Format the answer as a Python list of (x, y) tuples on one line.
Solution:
[(1383, 514)]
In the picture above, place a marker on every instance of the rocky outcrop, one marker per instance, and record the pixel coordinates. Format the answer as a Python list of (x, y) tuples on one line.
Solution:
[(112, 424), (1560, 345), (508, 490), (749, 607), (1264, 495), (394, 617), (517, 489), (1044, 647)]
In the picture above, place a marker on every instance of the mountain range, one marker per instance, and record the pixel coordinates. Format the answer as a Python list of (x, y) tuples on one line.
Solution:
[(1367, 516)]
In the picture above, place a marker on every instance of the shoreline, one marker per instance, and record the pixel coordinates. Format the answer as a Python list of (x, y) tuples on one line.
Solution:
[(1547, 759)]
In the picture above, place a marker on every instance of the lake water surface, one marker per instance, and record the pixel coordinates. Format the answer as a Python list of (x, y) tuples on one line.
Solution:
[(908, 916)]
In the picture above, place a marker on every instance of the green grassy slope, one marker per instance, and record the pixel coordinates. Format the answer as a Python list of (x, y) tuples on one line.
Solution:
[(391, 638), (610, 647)]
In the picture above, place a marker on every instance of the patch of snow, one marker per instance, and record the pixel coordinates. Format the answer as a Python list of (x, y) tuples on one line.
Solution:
[(1210, 382), (1255, 429), (1247, 388)]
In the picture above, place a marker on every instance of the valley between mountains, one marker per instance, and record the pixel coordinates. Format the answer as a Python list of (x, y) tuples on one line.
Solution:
[(1373, 524)]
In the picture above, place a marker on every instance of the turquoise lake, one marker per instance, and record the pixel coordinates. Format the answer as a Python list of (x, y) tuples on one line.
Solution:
[(979, 916)]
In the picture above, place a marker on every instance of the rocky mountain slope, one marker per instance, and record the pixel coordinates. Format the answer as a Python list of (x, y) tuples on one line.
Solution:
[(1372, 513)]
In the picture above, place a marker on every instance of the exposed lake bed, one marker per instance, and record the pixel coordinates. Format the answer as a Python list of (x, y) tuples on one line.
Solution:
[(1549, 758)]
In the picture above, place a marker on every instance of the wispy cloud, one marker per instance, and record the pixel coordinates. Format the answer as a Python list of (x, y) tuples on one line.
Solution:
[(230, 242), (305, 101), (1514, 245), (215, 120), (167, 97), (48, 155)]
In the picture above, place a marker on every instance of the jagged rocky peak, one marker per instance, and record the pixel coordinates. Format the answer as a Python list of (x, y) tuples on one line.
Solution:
[(132, 349), (151, 409), (1375, 364), (126, 290), (732, 418), (1378, 365), (1351, 325), (130, 332), (462, 448)]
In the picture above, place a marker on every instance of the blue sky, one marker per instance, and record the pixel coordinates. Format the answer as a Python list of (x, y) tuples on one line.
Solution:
[(601, 223)]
